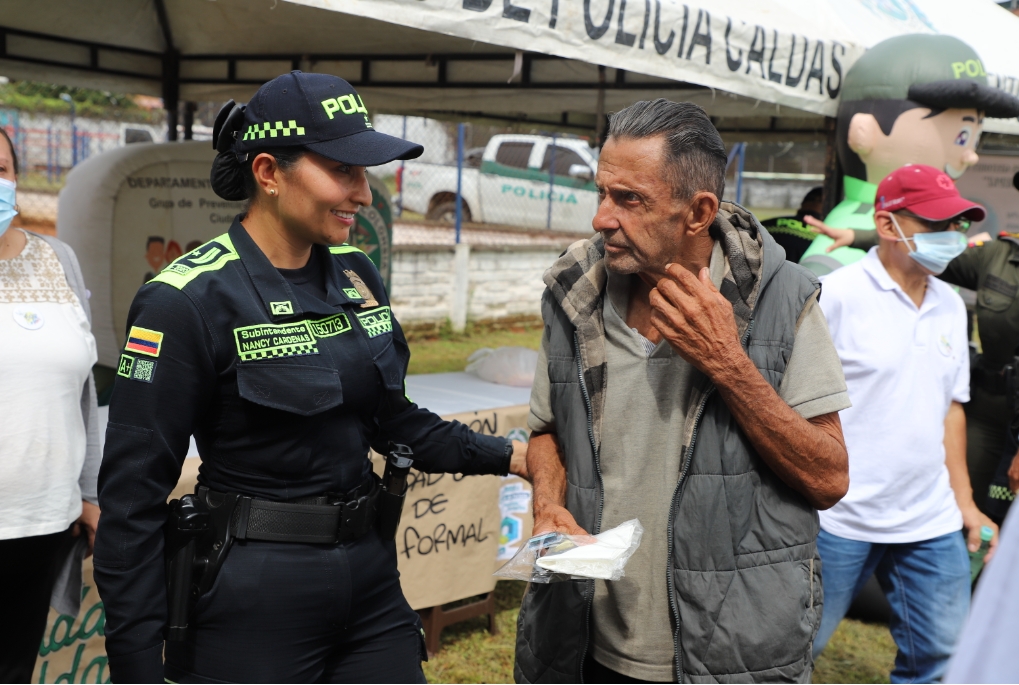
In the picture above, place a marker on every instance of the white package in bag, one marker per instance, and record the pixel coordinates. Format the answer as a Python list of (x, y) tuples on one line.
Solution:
[(555, 557), (505, 365)]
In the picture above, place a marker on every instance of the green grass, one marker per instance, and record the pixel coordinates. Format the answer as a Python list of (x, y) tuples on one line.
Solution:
[(858, 652), (470, 654), (447, 351)]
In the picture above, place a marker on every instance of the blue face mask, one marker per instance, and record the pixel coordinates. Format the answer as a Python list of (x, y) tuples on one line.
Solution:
[(7, 202), (933, 251)]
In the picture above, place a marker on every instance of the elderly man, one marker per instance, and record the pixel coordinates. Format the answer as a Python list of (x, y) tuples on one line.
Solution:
[(686, 379)]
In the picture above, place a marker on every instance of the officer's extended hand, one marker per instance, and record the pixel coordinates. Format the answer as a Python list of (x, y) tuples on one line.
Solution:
[(696, 319), (843, 237), (518, 462)]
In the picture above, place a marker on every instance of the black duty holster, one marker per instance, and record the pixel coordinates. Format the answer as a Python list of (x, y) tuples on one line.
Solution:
[(197, 538), (202, 527)]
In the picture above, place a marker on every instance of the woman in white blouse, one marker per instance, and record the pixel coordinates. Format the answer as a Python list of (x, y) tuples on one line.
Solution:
[(49, 446)]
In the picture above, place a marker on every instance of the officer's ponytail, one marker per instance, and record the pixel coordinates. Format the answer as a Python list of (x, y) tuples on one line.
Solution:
[(228, 177), (231, 175)]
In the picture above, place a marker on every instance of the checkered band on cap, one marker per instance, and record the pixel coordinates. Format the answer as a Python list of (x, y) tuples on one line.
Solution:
[(274, 129)]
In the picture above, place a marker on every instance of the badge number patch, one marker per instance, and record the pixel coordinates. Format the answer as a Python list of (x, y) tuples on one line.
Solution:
[(334, 325), (136, 369), (144, 341), (376, 322), (272, 341)]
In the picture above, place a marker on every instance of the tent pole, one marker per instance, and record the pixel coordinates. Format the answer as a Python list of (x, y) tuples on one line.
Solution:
[(599, 110), (189, 119), (171, 91), (832, 169)]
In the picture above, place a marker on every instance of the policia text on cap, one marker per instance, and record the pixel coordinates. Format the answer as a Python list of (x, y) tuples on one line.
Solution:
[(274, 345)]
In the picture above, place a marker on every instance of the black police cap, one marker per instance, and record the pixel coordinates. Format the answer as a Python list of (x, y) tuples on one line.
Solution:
[(319, 112)]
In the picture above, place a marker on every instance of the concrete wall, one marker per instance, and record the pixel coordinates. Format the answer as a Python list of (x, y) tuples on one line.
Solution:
[(773, 194), (503, 283)]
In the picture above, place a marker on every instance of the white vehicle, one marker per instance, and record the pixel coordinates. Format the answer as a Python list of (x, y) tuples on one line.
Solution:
[(512, 184)]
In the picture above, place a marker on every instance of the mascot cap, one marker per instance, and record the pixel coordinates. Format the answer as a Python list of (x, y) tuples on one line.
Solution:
[(937, 71)]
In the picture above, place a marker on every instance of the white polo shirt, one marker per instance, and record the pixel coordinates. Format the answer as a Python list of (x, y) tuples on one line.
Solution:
[(903, 366)]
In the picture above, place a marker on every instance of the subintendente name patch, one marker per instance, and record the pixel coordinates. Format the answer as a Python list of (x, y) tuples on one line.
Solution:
[(273, 341), (137, 369)]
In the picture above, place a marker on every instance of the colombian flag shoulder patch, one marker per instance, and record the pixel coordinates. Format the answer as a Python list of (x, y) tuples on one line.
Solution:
[(144, 341)]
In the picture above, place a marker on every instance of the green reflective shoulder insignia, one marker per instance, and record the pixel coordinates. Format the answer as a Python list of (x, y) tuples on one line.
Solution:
[(375, 322), (344, 249), (352, 293), (272, 341), (211, 256)]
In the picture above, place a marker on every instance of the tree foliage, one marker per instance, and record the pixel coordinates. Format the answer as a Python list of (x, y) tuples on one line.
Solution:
[(44, 98)]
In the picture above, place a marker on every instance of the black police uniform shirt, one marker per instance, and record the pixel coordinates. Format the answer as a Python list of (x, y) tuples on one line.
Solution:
[(792, 234), (283, 391)]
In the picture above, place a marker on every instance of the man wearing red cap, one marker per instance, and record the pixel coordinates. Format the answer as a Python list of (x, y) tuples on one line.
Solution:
[(901, 335)]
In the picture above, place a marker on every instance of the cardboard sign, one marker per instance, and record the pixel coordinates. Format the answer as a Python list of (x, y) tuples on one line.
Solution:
[(452, 526), (452, 531)]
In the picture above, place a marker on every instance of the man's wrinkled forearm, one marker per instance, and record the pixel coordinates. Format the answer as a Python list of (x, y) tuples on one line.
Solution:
[(809, 456), (548, 472)]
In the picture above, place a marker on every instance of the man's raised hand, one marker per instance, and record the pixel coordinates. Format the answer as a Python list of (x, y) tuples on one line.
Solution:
[(695, 318)]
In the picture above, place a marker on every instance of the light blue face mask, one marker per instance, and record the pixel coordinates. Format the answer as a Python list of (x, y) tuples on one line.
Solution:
[(933, 251), (7, 202)]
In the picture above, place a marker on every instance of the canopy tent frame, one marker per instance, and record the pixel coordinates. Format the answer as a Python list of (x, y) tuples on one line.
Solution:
[(475, 62), (172, 68)]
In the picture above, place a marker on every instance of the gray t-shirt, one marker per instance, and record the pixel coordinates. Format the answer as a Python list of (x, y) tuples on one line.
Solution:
[(646, 403)]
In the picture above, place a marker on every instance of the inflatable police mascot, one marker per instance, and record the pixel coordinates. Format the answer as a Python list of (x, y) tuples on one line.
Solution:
[(275, 347), (913, 99)]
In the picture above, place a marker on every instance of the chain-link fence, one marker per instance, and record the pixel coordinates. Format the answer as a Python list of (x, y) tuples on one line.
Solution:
[(49, 146)]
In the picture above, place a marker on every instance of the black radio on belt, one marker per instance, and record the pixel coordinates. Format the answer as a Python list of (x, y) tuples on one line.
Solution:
[(394, 489), (187, 522)]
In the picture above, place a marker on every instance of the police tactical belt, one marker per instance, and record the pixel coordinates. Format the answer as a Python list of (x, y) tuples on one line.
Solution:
[(323, 519)]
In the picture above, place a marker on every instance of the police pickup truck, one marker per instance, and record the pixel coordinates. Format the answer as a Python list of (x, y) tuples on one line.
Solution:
[(511, 184)]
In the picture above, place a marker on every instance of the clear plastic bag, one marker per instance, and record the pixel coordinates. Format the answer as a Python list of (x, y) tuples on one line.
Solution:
[(555, 557), (505, 365)]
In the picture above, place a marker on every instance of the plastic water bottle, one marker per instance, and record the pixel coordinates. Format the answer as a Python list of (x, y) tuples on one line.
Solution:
[(976, 559)]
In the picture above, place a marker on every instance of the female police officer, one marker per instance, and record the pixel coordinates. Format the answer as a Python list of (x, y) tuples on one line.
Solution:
[(280, 355)]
